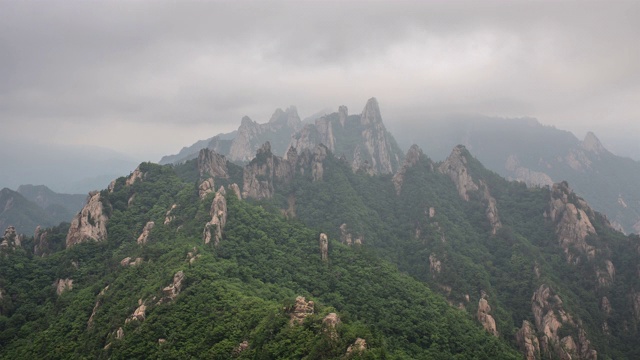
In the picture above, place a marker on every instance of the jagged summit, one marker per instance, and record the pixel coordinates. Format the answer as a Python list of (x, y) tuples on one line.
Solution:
[(371, 113), (592, 143)]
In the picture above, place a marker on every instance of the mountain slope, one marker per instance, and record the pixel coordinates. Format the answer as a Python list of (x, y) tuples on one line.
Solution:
[(60, 207), (169, 295), (24, 215), (525, 150)]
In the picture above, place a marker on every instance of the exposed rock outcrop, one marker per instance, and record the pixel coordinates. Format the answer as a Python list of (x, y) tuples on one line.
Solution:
[(129, 262), (240, 348), (205, 188), (300, 310), (96, 306), (456, 167), (63, 285), (136, 175), (358, 347), (171, 292), (89, 223), (487, 320), (371, 150), (324, 247), (347, 238), (168, 217), (218, 214), (263, 172), (528, 341), (142, 239), (435, 265), (530, 177), (550, 316), (235, 189), (193, 255), (410, 160), (11, 239), (570, 215), (242, 147), (138, 314), (329, 323), (376, 140), (40, 242), (212, 164)]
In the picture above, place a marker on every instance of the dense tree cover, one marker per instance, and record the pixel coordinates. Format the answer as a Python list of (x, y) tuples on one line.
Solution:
[(242, 290), (508, 266)]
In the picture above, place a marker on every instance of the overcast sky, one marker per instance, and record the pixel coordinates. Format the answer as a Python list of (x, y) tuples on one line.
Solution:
[(148, 77)]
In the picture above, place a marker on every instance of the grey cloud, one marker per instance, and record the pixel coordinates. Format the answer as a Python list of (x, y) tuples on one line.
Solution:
[(205, 64)]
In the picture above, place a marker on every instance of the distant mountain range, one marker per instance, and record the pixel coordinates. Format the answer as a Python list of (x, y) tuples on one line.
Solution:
[(341, 248), (518, 149), (37, 205)]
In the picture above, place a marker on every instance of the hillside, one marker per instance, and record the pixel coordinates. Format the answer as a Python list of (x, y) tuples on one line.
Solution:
[(24, 215), (525, 150), (266, 288)]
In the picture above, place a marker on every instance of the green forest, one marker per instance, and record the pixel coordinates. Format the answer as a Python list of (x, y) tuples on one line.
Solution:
[(410, 288)]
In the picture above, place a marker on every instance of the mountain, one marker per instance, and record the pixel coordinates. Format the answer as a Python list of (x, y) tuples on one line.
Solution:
[(305, 255), (22, 214), (139, 279), (362, 139), (240, 145), (58, 167), (525, 150), (61, 207)]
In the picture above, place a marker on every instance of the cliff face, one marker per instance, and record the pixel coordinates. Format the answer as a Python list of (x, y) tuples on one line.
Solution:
[(11, 239), (363, 140), (89, 223), (550, 316), (212, 164), (214, 228), (263, 171), (456, 167), (570, 215), (410, 160), (251, 135)]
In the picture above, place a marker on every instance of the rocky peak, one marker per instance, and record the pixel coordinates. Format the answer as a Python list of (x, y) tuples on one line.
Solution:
[(63, 285), (324, 247), (288, 118), (569, 214), (343, 113), (300, 310), (235, 189), (218, 214), (172, 291), (525, 175), (242, 146), (329, 323), (263, 172), (358, 347), (592, 144), (528, 341), (212, 164), (142, 239), (40, 242), (371, 113), (347, 238), (455, 166), (487, 320), (11, 239), (89, 223), (410, 160), (205, 188), (136, 175), (550, 316)]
